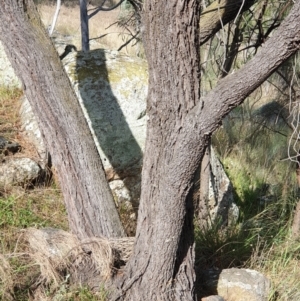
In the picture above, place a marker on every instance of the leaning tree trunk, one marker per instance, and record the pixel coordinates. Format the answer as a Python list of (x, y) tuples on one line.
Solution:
[(90, 205)]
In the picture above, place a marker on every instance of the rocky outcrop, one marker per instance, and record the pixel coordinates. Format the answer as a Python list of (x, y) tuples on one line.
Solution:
[(112, 89)]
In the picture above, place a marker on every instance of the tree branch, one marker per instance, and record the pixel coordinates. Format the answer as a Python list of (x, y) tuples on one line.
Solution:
[(101, 8), (232, 90), (218, 14)]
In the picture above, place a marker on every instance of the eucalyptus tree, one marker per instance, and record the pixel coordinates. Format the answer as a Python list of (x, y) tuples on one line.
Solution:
[(178, 131)]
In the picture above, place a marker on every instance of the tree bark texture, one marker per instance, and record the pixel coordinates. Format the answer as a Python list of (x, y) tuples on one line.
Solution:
[(178, 132), (162, 267), (90, 205)]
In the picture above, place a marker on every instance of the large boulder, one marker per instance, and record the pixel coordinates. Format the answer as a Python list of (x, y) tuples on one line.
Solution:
[(112, 89)]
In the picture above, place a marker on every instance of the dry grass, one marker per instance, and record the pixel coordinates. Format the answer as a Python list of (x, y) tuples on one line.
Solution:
[(68, 23), (10, 122), (48, 263), (9, 113), (280, 263)]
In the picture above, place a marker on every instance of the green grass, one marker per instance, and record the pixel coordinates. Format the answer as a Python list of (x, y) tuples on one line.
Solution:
[(266, 193)]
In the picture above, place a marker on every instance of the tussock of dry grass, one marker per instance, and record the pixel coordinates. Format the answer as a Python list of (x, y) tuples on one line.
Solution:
[(6, 281), (53, 258)]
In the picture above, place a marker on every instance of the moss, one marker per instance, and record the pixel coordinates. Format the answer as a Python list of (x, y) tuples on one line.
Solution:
[(99, 67)]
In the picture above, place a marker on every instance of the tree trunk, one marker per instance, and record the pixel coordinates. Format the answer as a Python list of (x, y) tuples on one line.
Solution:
[(178, 132), (84, 24), (90, 205), (179, 129), (162, 267)]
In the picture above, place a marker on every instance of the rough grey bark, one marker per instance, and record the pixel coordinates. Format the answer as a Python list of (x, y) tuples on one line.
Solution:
[(162, 267), (90, 205), (179, 130)]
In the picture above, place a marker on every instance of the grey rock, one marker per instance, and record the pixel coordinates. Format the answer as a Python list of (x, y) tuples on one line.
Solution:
[(213, 298), (238, 284), (8, 77), (215, 198), (32, 132), (3, 142), (112, 89), (8, 146), (18, 171)]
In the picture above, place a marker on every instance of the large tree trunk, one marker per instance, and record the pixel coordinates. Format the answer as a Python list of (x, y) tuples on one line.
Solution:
[(90, 205), (162, 267), (179, 130)]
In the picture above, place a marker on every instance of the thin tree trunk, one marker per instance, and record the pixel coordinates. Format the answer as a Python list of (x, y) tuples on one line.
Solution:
[(90, 205), (84, 25)]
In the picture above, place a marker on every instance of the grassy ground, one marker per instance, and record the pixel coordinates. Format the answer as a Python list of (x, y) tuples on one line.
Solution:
[(265, 192)]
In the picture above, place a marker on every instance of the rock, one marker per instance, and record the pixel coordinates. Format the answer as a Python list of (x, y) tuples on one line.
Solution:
[(214, 193), (213, 298), (18, 171), (238, 284), (32, 132), (3, 142), (8, 77), (112, 89), (8, 146)]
